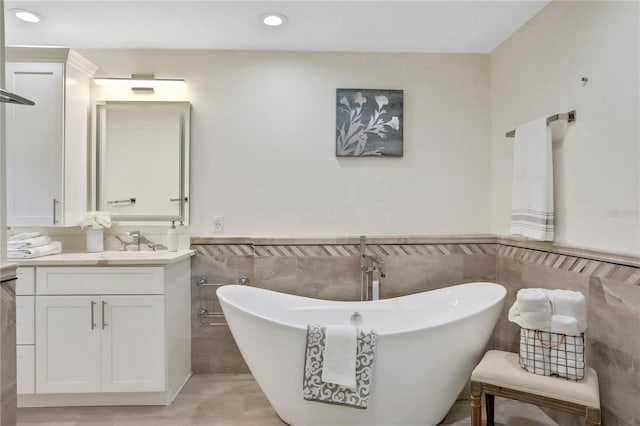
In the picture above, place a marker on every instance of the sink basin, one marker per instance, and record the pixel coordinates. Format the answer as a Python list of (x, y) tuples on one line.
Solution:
[(132, 254)]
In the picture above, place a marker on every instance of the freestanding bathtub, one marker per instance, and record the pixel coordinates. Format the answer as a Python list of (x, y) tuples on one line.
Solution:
[(428, 344)]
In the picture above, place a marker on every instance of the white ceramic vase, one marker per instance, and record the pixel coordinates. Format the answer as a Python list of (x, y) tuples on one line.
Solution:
[(95, 240)]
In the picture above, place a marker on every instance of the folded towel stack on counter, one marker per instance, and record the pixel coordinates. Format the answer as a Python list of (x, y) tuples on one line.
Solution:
[(553, 323), (30, 245)]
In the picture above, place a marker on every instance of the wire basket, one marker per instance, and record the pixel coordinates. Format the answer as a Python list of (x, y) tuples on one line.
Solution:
[(552, 354)]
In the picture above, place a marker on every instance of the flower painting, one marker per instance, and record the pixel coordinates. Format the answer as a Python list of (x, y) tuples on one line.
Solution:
[(369, 123)]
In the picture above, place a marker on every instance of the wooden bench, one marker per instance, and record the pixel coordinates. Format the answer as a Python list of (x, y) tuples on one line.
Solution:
[(499, 373)]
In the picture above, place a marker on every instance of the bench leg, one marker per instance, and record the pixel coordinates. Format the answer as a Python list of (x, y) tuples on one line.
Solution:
[(476, 404), (489, 406), (593, 416)]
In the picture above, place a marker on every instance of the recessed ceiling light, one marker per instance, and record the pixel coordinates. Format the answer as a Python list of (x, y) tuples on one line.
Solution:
[(274, 19), (26, 15)]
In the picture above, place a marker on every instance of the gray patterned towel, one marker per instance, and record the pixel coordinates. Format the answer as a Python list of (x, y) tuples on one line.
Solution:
[(314, 389)]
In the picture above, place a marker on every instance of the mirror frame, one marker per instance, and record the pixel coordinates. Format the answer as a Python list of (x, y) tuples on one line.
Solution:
[(100, 160)]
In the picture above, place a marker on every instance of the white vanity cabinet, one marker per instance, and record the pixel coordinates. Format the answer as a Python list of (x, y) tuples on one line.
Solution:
[(47, 143), (107, 335), (100, 344)]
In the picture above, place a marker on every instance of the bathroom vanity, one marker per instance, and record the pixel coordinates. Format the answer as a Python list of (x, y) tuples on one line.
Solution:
[(109, 328)]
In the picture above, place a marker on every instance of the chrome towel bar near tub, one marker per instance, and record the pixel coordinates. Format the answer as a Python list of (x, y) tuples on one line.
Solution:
[(217, 317)]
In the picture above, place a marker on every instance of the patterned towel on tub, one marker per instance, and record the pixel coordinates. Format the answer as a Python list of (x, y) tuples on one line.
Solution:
[(314, 389)]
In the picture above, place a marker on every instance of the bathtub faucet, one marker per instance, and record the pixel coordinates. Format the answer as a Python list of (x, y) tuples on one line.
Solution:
[(371, 270)]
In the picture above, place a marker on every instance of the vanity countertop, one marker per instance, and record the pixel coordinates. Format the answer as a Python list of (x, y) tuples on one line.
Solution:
[(8, 271), (108, 258)]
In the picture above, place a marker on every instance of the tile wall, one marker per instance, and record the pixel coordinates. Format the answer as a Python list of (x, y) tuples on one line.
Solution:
[(329, 269)]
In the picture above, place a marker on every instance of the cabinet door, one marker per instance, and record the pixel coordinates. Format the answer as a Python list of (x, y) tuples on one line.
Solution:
[(67, 344), (35, 147), (133, 343)]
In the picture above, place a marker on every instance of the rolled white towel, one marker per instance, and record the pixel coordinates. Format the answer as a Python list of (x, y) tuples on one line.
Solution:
[(533, 299), (42, 240), (340, 353), (24, 236), (564, 324), (570, 303)]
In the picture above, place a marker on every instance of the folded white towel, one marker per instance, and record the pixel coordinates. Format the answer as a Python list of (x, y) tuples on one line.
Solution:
[(532, 184), (570, 303), (24, 236), (564, 324), (42, 240), (340, 352), (54, 247), (532, 309), (533, 299)]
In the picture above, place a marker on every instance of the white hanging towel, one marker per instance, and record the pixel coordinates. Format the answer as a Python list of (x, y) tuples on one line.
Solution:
[(340, 353), (532, 187)]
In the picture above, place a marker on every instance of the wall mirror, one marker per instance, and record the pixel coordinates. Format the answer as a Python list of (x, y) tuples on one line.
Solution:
[(142, 160)]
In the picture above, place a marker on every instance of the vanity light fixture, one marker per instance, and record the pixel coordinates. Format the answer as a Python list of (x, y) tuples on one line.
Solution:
[(274, 19), (141, 82), (26, 15)]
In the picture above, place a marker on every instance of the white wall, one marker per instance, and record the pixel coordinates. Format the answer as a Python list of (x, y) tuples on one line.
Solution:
[(537, 72), (3, 173), (263, 141)]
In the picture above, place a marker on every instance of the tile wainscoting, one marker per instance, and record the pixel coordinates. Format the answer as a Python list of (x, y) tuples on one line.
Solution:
[(329, 269)]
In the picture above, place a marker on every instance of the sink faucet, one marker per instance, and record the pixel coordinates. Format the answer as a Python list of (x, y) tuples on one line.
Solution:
[(135, 239), (370, 268)]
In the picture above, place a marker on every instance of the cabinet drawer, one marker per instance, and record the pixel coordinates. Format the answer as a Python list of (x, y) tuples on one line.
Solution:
[(97, 280), (26, 280), (25, 320), (25, 369)]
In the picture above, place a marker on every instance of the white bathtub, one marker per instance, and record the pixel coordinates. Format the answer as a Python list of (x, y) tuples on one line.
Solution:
[(428, 344)]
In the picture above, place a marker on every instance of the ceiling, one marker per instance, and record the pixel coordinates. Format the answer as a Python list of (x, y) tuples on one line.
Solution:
[(355, 26)]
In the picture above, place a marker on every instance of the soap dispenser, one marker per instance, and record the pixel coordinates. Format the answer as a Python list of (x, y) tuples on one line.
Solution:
[(172, 238)]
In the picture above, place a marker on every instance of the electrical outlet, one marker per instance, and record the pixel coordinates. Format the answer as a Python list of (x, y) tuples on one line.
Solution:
[(218, 223)]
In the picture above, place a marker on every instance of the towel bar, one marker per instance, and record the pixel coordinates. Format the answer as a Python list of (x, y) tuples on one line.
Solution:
[(203, 311), (569, 116), (125, 201)]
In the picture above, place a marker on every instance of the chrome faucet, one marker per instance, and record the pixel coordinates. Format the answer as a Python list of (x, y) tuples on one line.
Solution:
[(135, 239), (370, 268)]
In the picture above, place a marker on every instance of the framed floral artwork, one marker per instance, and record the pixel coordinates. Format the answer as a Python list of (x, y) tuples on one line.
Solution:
[(369, 123)]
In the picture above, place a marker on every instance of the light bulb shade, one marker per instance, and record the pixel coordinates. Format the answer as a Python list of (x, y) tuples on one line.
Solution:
[(137, 82)]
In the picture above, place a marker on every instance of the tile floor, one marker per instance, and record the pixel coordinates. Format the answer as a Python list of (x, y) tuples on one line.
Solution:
[(233, 400)]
